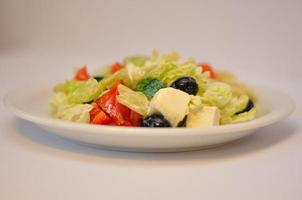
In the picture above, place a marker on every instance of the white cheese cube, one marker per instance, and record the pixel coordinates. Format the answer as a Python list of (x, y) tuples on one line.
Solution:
[(206, 116), (171, 103)]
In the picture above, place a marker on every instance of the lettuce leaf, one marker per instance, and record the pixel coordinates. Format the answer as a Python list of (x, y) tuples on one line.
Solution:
[(68, 86), (73, 112), (136, 101), (108, 82), (138, 60), (220, 95), (246, 116), (79, 91), (217, 94), (62, 109), (135, 74), (58, 99)]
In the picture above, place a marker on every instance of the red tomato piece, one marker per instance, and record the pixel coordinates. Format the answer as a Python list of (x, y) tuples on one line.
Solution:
[(135, 118), (208, 68), (119, 113), (97, 116), (116, 67), (81, 74)]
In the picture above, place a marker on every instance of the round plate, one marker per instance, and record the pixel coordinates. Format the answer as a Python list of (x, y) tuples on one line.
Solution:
[(32, 104)]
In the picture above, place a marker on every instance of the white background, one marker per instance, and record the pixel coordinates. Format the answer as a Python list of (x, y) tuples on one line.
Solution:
[(42, 40)]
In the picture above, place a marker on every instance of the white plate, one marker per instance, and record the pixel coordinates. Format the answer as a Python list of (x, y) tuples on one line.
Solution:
[(32, 103)]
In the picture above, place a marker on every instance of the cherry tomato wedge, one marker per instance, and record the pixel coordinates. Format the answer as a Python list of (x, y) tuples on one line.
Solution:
[(119, 113), (81, 74), (135, 118), (116, 67), (208, 68), (97, 116)]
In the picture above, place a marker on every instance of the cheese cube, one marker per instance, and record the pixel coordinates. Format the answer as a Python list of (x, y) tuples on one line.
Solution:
[(171, 103), (206, 116)]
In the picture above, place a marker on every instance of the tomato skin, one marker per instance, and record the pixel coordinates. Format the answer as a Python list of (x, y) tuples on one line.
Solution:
[(119, 113), (81, 74), (97, 116), (116, 67), (208, 68), (135, 118)]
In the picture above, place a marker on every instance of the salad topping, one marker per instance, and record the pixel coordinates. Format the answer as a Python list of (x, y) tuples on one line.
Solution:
[(154, 91)]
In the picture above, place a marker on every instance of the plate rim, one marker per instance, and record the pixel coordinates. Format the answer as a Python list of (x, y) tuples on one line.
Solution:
[(261, 121)]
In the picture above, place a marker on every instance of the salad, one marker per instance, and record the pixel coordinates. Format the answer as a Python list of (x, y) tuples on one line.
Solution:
[(154, 91)]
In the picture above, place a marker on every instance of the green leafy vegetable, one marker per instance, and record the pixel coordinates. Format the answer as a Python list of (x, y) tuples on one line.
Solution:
[(170, 72), (62, 109), (195, 103), (246, 116), (149, 86), (79, 91), (136, 101), (220, 95), (217, 94), (68, 86), (135, 74), (58, 99), (138, 60), (74, 112), (107, 82)]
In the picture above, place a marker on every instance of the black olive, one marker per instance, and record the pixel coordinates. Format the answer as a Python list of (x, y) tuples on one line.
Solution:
[(249, 106), (183, 122), (155, 120), (98, 78), (186, 84), (89, 102)]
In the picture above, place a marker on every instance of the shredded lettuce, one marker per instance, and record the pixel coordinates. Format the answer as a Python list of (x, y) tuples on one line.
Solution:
[(68, 86), (136, 101), (103, 71), (195, 103), (159, 71), (58, 99), (135, 74), (79, 91), (62, 109), (169, 72), (138, 60), (246, 116), (220, 95), (108, 82), (236, 104), (74, 112), (217, 94), (186, 70), (85, 92)]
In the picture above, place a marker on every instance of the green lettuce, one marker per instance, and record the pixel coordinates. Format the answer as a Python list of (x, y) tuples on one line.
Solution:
[(79, 91), (68, 86), (246, 116), (195, 103), (135, 74), (136, 101), (62, 109), (58, 99), (217, 94), (109, 81), (138, 60), (74, 112), (170, 72), (220, 95)]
